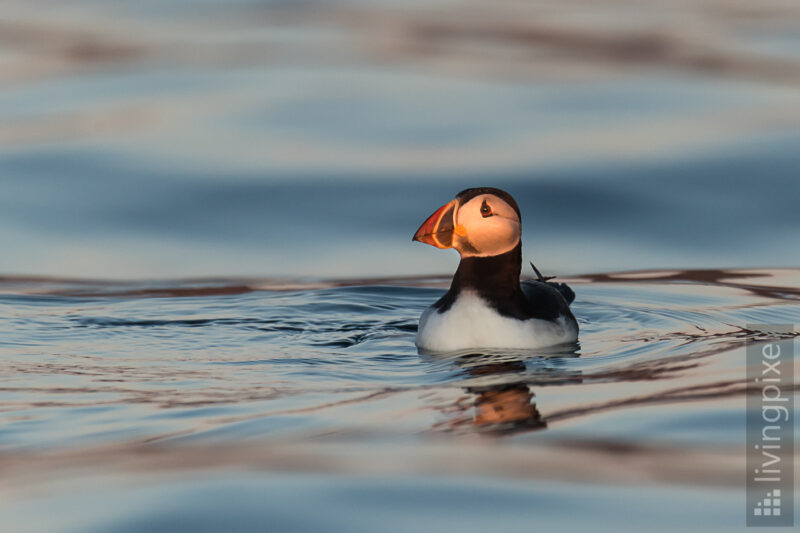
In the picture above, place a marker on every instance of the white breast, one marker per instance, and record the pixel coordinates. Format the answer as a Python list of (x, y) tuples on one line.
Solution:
[(471, 323)]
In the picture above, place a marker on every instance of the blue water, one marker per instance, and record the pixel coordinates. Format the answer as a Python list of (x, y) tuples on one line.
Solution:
[(208, 293), (153, 222), (342, 503)]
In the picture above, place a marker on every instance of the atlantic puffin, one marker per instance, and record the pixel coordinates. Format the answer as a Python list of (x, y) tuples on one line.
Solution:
[(487, 306)]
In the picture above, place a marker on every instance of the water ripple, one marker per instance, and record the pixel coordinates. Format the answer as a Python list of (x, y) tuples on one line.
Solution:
[(199, 361)]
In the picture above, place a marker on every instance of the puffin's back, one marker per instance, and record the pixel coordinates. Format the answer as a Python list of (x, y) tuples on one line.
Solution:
[(547, 300)]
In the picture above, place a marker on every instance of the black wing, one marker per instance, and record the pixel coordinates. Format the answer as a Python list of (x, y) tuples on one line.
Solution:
[(564, 289), (546, 299)]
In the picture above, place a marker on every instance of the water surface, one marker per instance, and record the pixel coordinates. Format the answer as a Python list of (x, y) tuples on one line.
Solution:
[(119, 397)]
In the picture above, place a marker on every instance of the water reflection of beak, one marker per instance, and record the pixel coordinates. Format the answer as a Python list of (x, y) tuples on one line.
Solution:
[(438, 229), (506, 405)]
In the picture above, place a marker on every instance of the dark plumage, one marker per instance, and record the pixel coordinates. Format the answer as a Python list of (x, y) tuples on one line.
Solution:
[(496, 280)]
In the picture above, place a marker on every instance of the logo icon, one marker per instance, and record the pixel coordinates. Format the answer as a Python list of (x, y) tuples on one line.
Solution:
[(769, 506)]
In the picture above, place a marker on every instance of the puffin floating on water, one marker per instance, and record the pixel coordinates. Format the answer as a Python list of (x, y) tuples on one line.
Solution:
[(487, 306)]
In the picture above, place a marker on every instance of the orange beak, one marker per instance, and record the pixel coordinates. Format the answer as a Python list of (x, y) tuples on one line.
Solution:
[(438, 229)]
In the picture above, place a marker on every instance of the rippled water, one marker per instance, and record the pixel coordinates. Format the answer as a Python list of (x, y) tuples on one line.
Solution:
[(151, 401)]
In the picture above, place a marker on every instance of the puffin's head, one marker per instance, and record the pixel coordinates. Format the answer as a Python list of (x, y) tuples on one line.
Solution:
[(478, 222)]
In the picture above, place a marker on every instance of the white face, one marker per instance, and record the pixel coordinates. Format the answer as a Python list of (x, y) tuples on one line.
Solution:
[(489, 225)]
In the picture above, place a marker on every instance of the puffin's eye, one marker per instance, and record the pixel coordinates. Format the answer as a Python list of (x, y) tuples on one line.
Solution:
[(486, 211)]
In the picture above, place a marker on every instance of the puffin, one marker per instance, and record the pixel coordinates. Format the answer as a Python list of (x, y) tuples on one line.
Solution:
[(487, 306)]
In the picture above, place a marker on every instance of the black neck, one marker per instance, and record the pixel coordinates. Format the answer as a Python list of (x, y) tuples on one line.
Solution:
[(490, 276)]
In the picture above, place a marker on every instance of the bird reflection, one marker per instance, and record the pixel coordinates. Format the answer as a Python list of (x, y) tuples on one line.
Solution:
[(500, 400)]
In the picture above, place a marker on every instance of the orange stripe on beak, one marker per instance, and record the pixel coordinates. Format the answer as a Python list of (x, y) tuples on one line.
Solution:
[(437, 230)]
